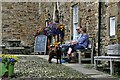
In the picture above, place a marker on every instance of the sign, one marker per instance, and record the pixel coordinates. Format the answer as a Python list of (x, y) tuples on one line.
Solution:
[(40, 43)]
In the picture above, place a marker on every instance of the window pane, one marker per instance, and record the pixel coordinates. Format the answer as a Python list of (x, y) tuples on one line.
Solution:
[(112, 26), (75, 14)]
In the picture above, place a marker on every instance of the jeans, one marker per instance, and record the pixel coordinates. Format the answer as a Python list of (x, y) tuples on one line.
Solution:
[(76, 46), (65, 48)]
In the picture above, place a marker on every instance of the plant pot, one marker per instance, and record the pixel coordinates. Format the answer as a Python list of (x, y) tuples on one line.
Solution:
[(10, 70), (3, 69)]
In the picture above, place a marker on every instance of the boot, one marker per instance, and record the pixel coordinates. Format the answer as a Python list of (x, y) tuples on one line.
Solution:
[(72, 60), (69, 57)]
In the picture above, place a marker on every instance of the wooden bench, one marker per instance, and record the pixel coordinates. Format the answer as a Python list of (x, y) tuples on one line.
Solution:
[(111, 59), (86, 52), (113, 55)]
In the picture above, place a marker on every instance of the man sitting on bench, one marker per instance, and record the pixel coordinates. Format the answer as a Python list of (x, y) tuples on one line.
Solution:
[(82, 43), (67, 44)]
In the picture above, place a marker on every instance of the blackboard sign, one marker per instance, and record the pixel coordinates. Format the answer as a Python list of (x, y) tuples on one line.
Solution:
[(40, 43)]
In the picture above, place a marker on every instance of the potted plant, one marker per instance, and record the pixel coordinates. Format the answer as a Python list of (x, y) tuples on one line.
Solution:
[(8, 62)]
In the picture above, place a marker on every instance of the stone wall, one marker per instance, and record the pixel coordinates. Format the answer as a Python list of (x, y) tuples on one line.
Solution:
[(112, 11), (89, 16), (103, 36), (65, 9), (118, 22), (19, 21)]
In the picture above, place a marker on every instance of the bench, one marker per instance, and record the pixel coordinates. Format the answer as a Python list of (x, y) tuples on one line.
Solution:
[(88, 53), (113, 55), (111, 59)]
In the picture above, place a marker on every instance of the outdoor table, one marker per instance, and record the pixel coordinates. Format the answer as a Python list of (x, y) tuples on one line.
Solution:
[(112, 59), (14, 46)]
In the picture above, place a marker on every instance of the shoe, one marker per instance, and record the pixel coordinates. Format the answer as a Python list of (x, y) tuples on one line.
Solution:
[(67, 60), (50, 62)]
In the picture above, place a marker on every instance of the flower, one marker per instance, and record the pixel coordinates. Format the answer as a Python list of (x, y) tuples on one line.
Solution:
[(55, 29), (51, 30), (57, 44), (61, 27), (40, 31), (9, 59)]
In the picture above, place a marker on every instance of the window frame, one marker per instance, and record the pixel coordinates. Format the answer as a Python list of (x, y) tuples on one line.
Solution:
[(112, 30), (75, 10)]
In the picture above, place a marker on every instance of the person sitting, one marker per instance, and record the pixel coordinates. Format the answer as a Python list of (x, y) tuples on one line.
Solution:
[(66, 46), (76, 40), (82, 43)]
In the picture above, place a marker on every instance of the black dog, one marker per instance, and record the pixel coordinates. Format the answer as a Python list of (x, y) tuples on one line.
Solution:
[(55, 52)]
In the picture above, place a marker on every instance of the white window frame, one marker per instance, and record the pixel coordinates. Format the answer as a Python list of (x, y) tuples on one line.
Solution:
[(75, 21), (112, 26)]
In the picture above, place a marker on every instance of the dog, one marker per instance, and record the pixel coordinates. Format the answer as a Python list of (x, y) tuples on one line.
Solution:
[(55, 51)]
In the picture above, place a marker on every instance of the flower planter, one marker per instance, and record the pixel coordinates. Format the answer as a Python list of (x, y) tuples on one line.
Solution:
[(9, 61), (3, 69), (10, 70)]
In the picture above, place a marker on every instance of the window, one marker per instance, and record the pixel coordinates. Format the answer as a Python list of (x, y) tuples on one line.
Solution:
[(75, 21), (112, 26)]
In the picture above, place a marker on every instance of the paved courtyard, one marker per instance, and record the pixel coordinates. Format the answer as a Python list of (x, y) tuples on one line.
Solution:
[(36, 67)]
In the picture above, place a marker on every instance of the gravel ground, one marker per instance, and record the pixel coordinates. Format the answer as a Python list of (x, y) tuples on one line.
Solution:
[(35, 67)]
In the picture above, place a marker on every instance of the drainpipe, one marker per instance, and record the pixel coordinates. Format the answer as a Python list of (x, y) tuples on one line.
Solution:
[(99, 27)]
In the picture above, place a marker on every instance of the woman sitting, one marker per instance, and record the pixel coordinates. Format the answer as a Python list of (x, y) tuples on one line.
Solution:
[(81, 44)]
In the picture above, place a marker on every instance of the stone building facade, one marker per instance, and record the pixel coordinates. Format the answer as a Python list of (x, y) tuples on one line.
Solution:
[(20, 20)]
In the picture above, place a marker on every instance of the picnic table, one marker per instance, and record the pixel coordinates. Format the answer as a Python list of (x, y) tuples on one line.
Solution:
[(14, 46), (111, 59)]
